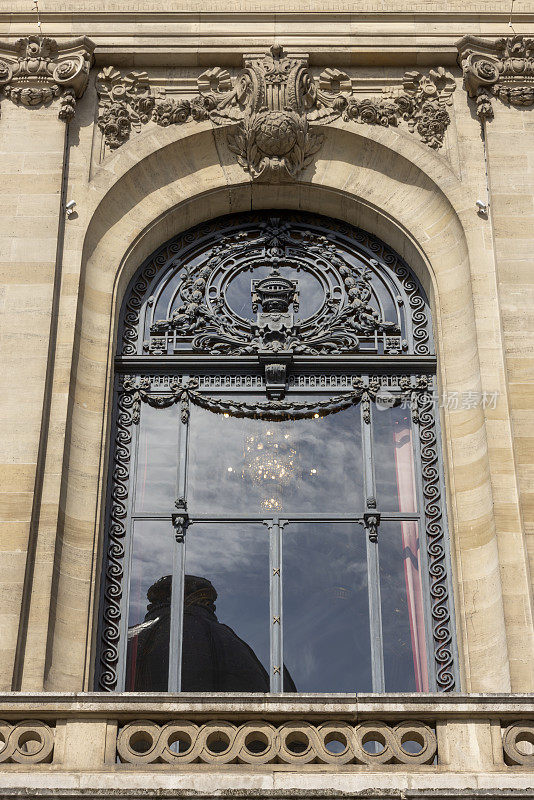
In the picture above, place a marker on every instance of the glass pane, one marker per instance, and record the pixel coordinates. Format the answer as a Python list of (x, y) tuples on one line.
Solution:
[(403, 622), (241, 466), (226, 608), (147, 663), (159, 430), (326, 607), (394, 464)]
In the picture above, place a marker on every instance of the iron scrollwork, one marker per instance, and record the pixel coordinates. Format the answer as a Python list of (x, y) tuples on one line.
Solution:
[(435, 533), (362, 391), (347, 318), (350, 319), (113, 578)]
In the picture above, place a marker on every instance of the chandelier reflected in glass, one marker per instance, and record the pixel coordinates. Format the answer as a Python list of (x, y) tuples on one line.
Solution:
[(270, 463)]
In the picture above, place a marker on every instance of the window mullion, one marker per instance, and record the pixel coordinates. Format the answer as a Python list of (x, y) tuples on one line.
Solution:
[(178, 565), (275, 528), (373, 570)]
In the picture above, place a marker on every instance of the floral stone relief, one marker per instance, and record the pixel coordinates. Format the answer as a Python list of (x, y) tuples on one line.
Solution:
[(275, 109)]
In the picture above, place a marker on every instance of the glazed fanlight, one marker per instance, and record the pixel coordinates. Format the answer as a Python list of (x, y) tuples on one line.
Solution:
[(351, 312)]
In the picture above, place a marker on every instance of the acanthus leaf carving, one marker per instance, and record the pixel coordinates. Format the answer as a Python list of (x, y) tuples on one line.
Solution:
[(274, 108), (36, 70), (503, 68)]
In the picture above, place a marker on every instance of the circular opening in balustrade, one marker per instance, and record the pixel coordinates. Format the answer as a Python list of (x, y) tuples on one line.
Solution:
[(297, 742), (525, 743), (30, 742), (140, 742), (217, 742), (179, 742), (373, 743), (335, 742), (411, 743), (256, 742)]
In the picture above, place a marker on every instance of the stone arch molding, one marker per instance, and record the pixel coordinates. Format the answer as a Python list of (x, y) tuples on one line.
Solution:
[(276, 108), (159, 186)]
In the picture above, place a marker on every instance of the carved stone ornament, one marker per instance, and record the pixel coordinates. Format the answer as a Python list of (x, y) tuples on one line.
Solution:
[(503, 68), (36, 69), (275, 107)]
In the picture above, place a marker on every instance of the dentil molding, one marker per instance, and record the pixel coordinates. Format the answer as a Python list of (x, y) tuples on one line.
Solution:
[(275, 108), (36, 69), (503, 68)]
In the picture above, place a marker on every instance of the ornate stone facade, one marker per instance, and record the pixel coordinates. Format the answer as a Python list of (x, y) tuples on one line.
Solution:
[(185, 113)]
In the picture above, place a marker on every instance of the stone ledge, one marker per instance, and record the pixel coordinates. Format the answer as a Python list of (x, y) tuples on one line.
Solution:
[(341, 706)]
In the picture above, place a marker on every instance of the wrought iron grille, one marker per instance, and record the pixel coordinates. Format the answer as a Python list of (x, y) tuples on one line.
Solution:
[(276, 317)]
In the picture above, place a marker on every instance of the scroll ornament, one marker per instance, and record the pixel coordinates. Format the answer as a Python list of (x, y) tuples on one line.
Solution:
[(275, 108), (503, 68), (37, 69)]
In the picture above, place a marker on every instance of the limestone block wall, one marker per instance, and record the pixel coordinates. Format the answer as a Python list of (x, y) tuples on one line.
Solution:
[(64, 279), (32, 148)]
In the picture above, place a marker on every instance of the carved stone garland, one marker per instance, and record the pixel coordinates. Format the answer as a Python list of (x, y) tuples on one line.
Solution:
[(275, 107), (503, 68), (36, 69)]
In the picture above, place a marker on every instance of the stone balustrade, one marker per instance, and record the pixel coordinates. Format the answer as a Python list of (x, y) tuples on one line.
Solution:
[(481, 742)]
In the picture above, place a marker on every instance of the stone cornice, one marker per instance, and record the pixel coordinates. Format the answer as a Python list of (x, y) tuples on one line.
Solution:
[(36, 69), (503, 68)]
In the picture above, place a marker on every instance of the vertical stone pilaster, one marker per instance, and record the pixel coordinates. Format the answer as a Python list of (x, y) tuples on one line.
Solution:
[(499, 76), (39, 93)]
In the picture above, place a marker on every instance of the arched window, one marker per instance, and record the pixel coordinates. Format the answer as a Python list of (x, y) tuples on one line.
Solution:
[(275, 518)]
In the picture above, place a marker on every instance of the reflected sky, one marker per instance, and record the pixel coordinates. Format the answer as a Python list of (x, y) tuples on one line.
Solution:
[(393, 459), (252, 466), (238, 291), (326, 607), (156, 479), (235, 558), (151, 559)]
